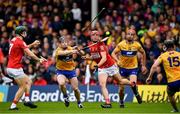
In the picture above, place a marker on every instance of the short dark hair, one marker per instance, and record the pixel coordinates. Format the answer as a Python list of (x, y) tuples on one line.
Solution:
[(169, 43)]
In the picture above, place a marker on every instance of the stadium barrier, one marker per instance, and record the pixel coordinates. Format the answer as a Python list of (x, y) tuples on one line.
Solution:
[(155, 93), (3, 93), (51, 93)]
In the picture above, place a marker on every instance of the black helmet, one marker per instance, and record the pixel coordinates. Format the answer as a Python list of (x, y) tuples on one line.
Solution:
[(20, 29), (169, 44)]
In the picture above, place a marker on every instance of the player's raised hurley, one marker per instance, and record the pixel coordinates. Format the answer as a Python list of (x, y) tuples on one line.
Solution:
[(83, 29), (104, 39)]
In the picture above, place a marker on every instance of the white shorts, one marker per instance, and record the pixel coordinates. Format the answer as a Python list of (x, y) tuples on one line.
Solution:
[(110, 71), (15, 73)]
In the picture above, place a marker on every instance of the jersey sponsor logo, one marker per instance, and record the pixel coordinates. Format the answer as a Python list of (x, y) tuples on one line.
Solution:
[(128, 53), (65, 58), (95, 55), (94, 49)]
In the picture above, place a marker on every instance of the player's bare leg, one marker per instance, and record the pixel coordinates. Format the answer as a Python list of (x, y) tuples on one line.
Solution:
[(21, 83), (74, 84), (27, 102), (132, 84), (102, 77), (61, 79), (133, 80), (121, 96), (120, 80), (172, 101), (27, 89)]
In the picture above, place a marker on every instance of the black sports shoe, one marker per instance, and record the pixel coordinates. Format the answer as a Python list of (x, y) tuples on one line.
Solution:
[(66, 101), (121, 106), (139, 99), (80, 105), (30, 104), (106, 105), (16, 108)]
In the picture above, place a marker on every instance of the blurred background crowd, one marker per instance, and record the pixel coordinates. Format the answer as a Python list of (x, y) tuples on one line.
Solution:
[(47, 20)]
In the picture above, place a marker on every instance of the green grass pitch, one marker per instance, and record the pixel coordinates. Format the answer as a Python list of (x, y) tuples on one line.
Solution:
[(89, 108)]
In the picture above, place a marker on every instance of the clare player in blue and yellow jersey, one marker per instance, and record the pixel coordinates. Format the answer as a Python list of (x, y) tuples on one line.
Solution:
[(125, 55), (65, 69), (171, 63)]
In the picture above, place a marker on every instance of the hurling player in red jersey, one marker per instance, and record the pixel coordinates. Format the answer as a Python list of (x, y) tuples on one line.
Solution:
[(14, 68), (106, 67)]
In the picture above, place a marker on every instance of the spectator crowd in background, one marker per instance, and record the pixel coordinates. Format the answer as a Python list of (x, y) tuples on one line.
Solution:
[(47, 20)]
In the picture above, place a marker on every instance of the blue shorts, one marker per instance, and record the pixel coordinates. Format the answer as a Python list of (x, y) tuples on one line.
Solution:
[(67, 73), (174, 86), (127, 72)]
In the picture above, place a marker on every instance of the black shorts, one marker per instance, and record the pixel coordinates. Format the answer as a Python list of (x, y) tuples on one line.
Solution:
[(173, 87)]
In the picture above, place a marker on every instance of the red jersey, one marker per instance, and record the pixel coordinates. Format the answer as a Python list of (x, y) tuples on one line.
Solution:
[(16, 52), (96, 54), (1, 56)]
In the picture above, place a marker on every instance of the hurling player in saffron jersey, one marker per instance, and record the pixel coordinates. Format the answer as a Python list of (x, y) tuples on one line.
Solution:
[(15, 68), (65, 70), (171, 63), (127, 61), (106, 67)]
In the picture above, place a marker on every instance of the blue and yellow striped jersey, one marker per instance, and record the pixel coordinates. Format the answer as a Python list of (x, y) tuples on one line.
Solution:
[(128, 54), (64, 62), (171, 63)]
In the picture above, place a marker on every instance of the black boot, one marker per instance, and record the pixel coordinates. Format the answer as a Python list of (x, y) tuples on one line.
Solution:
[(30, 104), (106, 105)]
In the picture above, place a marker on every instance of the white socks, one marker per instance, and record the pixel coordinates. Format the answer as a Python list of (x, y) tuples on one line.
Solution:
[(13, 105), (27, 99)]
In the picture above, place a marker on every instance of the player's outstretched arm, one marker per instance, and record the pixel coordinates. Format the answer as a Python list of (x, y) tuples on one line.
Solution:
[(35, 43), (66, 52), (80, 51), (32, 55), (152, 71)]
